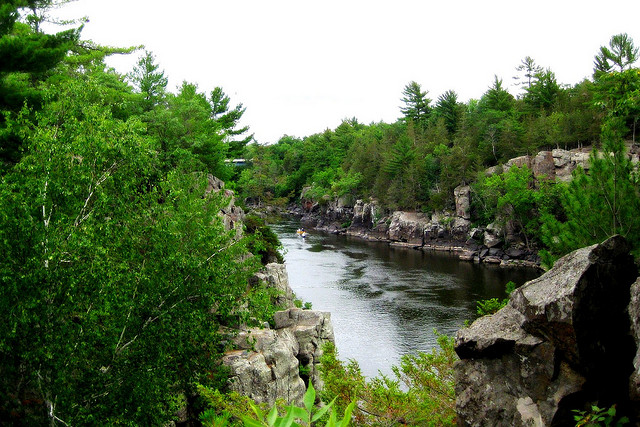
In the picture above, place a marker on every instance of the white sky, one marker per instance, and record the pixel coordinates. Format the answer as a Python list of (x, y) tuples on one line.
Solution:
[(301, 66)]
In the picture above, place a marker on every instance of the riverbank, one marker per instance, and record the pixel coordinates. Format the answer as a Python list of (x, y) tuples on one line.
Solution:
[(442, 232)]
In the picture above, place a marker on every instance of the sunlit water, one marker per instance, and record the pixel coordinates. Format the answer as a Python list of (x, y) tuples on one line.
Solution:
[(386, 301)]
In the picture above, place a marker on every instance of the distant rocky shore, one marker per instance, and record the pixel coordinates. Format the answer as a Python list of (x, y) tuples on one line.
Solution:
[(496, 243)]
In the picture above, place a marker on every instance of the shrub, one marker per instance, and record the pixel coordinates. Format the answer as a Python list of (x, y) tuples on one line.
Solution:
[(421, 392)]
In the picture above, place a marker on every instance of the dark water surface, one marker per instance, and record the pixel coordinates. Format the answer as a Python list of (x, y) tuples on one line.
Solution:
[(386, 301)]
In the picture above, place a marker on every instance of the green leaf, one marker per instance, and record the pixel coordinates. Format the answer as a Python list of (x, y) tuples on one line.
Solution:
[(286, 421), (256, 410), (322, 411), (250, 422), (300, 413), (309, 397), (347, 414), (272, 416)]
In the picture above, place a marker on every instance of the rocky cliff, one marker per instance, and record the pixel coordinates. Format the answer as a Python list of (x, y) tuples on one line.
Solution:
[(439, 231), (274, 363), (565, 339), (278, 363)]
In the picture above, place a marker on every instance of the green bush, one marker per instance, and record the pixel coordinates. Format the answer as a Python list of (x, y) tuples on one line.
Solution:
[(421, 391), (491, 306)]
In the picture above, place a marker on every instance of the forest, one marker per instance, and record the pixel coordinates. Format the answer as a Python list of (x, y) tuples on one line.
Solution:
[(416, 162), (118, 272)]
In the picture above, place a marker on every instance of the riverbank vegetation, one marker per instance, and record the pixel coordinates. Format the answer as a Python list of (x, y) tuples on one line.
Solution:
[(117, 266), (420, 393), (416, 162)]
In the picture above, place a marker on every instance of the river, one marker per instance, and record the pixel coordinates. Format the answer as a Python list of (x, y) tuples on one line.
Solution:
[(385, 301)]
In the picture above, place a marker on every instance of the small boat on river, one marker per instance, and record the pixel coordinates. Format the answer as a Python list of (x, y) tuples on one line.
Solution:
[(302, 233)]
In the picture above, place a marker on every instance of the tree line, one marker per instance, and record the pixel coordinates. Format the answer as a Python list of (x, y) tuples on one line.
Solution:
[(417, 161)]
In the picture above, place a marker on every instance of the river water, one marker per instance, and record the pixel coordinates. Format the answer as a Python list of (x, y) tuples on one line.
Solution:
[(384, 301)]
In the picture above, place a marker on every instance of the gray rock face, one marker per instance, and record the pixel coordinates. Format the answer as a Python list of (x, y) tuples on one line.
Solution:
[(561, 341), (232, 215), (407, 227), (493, 235), (462, 196), (267, 364), (275, 276), (634, 316)]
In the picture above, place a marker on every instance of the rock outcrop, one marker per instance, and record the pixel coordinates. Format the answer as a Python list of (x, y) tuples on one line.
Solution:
[(232, 215), (563, 340), (441, 231), (278, 363), (274, 275)]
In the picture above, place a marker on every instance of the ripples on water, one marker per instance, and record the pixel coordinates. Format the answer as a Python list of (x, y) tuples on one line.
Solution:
[(386, 301)]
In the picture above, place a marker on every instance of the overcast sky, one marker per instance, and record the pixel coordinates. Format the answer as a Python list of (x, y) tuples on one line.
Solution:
[(300, 67)]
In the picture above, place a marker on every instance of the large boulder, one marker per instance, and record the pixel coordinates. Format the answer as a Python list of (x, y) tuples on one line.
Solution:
[(543, 165), (407, 227), (562, 340), (270, 364)]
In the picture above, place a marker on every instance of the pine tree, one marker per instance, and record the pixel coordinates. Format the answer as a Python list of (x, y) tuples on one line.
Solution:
[(599, 203), (416, 104), (150, 82)]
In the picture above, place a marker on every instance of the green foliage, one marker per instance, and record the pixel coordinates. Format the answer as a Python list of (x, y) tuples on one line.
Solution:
[(253, 415), (416, 104), (621, 53), (263, 241), (493, 305), (543, 92), (529, 70), (112, 268), (150, 82), (597, 204), (599, 417), (421, 392), (449, 110), (517, 197)]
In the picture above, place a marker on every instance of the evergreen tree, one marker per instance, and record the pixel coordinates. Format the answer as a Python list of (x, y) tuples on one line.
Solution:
[(448, 109), (496, 98), (598, 203), (416, 104), (543, 93), (227, 120), (26, 55), (150, 82), (529, 70), (621, 53)]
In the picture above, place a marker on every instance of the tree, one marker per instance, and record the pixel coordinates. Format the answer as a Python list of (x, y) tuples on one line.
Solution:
[(496, 98), (448, 108), (599, 203), (27, 55), (617, 94), (516, 197), (150, 82), (621, 53), (416, 104), (115, 277), (227, 119), (529, 70), (543, 93)]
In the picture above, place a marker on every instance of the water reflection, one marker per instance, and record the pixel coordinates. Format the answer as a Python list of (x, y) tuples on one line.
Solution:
[(386, 301)]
